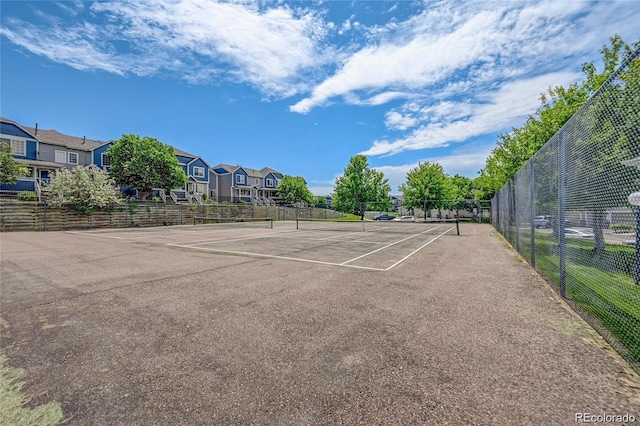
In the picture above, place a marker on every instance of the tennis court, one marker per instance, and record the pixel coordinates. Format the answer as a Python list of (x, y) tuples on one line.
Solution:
[(210, 324), (378, 246)]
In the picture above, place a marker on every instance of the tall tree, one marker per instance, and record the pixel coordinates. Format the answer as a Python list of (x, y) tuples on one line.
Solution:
[(10, 169), (514, 149), (293, 189), (604, 134), (320, 202), (145, 163), (358, 186), (462, 193), (426, 187)]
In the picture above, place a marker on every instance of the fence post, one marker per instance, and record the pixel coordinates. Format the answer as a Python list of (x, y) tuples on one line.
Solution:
[(45, 215), (126, 215), (562, 171), (636, 263), (532, 213), (515, 211)]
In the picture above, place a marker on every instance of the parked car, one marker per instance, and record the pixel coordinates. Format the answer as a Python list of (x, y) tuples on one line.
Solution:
[(542, 221), (384, 217), (578, 233), (405, 219)]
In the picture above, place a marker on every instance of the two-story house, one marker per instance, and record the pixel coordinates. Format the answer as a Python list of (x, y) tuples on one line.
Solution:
[(196, 169), (46, 151), (43, 152), (239, 183)]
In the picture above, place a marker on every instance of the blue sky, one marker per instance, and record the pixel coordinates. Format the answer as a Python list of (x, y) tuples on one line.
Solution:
[(300, 86)]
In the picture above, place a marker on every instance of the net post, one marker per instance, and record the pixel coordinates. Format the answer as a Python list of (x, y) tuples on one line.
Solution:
[(458, 226), (297, 225), (270, 223)]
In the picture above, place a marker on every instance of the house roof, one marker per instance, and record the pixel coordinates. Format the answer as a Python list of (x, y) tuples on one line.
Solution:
[(251, 172), (54, 137), (24, 129), (39, 163), (184, 153)]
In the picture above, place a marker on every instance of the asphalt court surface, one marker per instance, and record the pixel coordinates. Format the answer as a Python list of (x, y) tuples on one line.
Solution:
[(380, 247), (143, 326)]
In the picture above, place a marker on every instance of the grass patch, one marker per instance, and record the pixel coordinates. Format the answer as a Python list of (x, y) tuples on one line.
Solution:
[(346, 216), (600, 283), (13, 401)]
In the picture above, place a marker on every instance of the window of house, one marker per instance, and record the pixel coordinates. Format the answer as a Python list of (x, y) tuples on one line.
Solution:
[(240, 179), (198, 171), (199, 188), (269, 182), (257, 181), (61, 156), (73, 158), (106, 160), (17, 147)]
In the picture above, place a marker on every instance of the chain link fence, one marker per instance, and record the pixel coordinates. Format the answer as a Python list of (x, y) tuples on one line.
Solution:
[(569, 210)]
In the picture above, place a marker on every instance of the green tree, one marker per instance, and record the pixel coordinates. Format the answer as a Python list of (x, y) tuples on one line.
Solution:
[(321, 202), (358, 186), (10, 169), (605, 133), (144, 164), (426, 187), (85, 188), (293, 189), (514, 149), (462, 193)]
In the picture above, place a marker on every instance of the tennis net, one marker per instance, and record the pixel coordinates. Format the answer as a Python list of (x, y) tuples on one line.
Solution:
[(383, 226), (234, 222)]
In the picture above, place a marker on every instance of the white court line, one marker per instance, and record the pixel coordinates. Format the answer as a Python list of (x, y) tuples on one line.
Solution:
[(165, 233), (228, 240), (417, 250), (270, 256), (388, 245), (343, 264), (93, 234), (341, 241)]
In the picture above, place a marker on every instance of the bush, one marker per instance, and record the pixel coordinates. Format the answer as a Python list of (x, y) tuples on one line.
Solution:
[(84, 188), (27, 196)]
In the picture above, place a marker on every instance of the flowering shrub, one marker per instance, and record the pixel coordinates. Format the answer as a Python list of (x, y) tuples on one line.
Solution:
[(84, 188)]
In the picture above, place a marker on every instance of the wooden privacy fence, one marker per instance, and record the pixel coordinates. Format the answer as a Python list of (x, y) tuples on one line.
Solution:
[(40, 217)]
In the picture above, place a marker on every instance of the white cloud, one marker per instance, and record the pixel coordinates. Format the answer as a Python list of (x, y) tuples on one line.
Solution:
[(471, 68), (270, 48), (465, 162), (395, 120), (455, 122)]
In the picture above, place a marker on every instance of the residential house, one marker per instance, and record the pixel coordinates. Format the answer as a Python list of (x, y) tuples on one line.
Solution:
[(198, 175), (196, 169), (239, 183), (46, 151), (43, 152)]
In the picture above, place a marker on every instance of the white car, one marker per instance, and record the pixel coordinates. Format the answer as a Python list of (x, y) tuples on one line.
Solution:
[(578, 233), (542, 221), (405, 219)]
